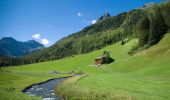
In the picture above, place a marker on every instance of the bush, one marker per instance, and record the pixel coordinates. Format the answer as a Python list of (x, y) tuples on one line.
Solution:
[(122, 42), (133, 50)]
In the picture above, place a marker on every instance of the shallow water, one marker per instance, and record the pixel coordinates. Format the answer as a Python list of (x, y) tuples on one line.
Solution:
[(44, 89)]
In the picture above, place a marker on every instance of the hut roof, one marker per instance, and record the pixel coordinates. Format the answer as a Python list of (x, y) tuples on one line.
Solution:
[(99, 57)]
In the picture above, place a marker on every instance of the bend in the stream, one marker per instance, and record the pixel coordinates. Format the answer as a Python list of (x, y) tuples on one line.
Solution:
[(45, 89)]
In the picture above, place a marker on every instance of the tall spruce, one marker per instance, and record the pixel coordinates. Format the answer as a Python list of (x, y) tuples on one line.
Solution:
[(143, 31)]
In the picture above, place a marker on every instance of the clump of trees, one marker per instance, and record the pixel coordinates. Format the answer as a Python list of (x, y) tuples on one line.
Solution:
[(9, 61), (106, 58), (152, 27)]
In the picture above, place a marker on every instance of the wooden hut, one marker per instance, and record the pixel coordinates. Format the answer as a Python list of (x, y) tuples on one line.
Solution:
[(104, 59), (98, 60)]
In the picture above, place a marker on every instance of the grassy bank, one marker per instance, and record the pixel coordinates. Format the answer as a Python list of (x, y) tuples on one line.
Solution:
[(12, 84)]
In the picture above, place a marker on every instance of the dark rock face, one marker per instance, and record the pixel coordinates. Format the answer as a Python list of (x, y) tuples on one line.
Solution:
[(106, 15), (14, 48)]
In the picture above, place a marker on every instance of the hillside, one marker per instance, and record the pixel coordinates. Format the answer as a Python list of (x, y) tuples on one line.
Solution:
[(148, 24), (14, 48), (143, 76)]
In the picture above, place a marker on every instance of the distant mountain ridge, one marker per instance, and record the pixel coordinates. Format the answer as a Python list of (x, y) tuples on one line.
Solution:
[(11, 47)]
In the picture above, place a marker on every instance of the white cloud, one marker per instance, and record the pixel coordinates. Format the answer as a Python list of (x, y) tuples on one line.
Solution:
[(37, 36), (45, 41), (89, 22), (93, 21), (79, 14)]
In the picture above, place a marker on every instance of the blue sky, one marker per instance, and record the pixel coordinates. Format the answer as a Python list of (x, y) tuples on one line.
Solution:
[(50, 20)]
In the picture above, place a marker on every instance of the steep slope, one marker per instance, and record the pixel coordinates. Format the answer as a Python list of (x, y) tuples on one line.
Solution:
[(149, 24), (14, 48)]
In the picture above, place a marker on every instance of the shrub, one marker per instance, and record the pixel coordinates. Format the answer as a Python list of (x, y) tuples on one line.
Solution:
[(133, 49)]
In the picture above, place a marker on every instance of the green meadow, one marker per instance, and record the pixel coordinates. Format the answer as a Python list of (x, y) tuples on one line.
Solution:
[(142, 76)]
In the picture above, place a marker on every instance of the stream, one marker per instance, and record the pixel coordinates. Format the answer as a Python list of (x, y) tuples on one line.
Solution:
[(45, 89)]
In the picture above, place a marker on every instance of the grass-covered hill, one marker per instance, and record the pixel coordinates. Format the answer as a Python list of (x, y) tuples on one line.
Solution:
[(142, 76)]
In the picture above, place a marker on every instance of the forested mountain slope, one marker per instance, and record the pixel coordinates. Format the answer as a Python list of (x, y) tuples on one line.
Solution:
[(148, 23)]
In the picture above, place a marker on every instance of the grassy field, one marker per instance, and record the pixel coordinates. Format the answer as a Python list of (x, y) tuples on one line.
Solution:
[(143, 76)]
